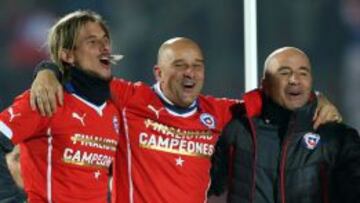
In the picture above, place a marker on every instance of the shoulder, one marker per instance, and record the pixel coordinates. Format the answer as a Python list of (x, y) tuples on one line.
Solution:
[(334, 128), (218, 104), (217, 100), (238, 123), (121, 83), (338, 131)]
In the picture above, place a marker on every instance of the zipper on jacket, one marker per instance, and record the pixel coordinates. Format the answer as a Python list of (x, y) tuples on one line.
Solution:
[(284, 150), (254, 154)]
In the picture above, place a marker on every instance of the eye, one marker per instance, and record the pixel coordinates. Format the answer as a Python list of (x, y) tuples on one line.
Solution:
[(284, 72), (304, 73), (106, 40), (198, 65), (180, 65), (91, 42)]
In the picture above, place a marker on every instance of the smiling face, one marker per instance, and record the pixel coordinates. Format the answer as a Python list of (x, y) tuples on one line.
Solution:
[(91, 51), (287, 78), (180, 71)]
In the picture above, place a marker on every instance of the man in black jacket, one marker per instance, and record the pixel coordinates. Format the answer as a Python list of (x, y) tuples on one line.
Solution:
[(276, 156)]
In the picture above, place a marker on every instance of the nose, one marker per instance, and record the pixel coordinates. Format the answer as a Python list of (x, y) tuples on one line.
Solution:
[(189, 72), (105, 45), (294, 79)]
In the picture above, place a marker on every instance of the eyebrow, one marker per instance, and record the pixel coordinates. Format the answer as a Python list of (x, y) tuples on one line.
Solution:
[(307, 69), (181, 60), (282, 68), (94, 36), (302, 68)]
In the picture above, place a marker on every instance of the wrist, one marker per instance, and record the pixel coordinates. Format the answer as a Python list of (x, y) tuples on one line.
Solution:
[(48, 65)]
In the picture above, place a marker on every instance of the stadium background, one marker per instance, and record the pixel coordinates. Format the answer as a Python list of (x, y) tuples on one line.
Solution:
[(328, 30)]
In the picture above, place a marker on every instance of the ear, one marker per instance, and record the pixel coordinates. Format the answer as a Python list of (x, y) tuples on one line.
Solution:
[(67, 56), (157, 72), (265, 85)]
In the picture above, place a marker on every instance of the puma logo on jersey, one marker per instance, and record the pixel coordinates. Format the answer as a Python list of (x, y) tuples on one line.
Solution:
[(80, 118), (12, 114), (157, 112)]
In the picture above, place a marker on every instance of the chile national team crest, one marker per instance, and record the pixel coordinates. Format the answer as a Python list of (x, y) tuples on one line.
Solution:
[(116, 124), (311, 140), (208, 120)]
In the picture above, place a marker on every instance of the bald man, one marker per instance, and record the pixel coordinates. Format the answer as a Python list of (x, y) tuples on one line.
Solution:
[(276, 156), (169, 129)]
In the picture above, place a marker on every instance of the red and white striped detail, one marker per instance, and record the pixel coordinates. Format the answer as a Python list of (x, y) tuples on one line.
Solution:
[(128, 148), (49, 167), (4, 129)]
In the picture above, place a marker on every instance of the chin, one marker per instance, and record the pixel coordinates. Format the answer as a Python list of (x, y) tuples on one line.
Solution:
[(104, 76), (295, 106), (187, 102)]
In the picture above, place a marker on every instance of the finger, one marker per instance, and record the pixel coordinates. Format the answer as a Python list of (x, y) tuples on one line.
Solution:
[(316, 113), (321, 117), (339, 119), (40, 106), (52, 101), (32, 100), (60, 95), (47, 104), (337, 116), (316, 124)]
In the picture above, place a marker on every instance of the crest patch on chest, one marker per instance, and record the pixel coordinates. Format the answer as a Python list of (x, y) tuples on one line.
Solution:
[(311, 140), (208, 120)]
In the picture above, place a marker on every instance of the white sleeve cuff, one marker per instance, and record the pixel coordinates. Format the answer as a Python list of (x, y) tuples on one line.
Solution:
[(4, 129)]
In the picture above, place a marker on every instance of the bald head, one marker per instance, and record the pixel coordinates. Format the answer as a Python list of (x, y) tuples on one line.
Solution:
[(287, 77), (168, 48), (180, 70), (281, 54)]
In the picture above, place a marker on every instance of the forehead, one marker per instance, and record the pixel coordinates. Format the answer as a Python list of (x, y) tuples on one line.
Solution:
[(291, 59), (182, 51), (91, 29)]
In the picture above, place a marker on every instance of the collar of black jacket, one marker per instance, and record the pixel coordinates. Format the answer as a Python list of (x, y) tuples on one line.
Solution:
[(301, 118), (89, 87)]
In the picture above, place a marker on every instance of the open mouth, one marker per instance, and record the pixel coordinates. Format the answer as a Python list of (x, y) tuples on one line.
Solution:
[(294, 93), (188, 84), (110, 59), (105, 60)]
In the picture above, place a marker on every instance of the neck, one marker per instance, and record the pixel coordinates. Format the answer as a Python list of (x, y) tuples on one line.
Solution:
[(276, 113), (170, 105), (89, 87)]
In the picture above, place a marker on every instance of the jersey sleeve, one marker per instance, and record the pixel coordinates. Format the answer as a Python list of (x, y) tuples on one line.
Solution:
[(18, 122), (224, 108), (122, 91)]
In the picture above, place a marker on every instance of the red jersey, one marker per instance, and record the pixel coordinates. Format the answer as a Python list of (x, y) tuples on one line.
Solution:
[(164, 157), (65, 158)]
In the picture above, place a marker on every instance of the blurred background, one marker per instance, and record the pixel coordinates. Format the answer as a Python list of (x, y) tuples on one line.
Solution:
[(327, 30)]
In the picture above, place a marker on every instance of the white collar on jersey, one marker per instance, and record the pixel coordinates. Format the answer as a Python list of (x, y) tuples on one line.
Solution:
[(171, 107), (98, 109)]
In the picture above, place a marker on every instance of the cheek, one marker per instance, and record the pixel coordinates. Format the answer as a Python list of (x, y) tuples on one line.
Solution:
[(200, 75), (308, 84), (278, 86)]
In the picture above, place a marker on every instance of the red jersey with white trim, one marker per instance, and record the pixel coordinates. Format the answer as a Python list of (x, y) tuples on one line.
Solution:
[(164, 157), (64, 158)]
